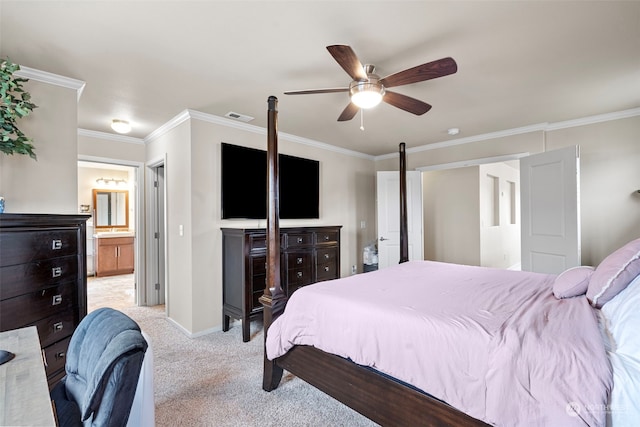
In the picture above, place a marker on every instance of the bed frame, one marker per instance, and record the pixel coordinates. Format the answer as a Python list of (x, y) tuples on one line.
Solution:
[(378, 397)]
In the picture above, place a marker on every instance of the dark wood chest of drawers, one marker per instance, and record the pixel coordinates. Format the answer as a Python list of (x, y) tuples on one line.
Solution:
[(308, 255), (43, 280)]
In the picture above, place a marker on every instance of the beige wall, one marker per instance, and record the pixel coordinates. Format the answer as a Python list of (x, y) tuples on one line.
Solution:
[(91, 146), (452, 215), (48, 185)]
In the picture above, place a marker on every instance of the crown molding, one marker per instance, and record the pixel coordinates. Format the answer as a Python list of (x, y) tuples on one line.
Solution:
[(50, 78), (544, 127), (223, 121), (109, 136)]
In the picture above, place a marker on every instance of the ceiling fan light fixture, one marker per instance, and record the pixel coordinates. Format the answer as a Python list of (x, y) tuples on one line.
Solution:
[(366, 94), (120, 126)]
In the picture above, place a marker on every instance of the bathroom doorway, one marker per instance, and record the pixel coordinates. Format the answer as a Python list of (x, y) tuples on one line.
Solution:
[(113, 249)]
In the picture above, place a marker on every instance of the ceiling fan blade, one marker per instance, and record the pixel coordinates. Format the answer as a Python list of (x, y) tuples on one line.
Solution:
[(406, 103), (430, 70), (346, 57), (312, 91), (349, 112)]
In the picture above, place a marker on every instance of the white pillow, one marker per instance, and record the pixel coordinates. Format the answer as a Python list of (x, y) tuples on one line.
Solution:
[(623, 323)]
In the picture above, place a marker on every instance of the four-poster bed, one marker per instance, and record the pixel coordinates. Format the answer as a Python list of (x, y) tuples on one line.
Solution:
[(389, 396)]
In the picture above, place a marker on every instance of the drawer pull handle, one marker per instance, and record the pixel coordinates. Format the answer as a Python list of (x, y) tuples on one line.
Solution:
[(57, 299), (326, 256), (60, 355), (56, 244), (56, 272), (57, 327), (44, 359), (300, 239), (299, 260), (326, 268), (299, 274), (326, 237)]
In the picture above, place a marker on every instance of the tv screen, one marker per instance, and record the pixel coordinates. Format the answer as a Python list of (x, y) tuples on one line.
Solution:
[(244, 184)]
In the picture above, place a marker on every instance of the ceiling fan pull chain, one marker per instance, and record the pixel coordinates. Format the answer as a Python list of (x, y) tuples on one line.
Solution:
[(362, 119)]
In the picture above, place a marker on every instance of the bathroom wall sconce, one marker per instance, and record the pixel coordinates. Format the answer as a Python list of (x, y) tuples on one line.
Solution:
[(110, 181), (120, 126)]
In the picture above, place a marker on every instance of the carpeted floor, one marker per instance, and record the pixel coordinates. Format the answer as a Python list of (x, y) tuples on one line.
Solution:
[(216, 380)]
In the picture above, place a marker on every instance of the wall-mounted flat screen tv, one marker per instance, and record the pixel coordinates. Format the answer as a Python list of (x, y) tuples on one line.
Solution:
[(244, 184)]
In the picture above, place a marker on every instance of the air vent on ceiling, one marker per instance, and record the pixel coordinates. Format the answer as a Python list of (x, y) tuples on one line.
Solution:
[(237, 116)]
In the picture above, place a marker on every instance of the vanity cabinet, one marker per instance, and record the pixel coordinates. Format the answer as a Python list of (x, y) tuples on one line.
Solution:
[(114, 255), (43, 280), (308, 255)]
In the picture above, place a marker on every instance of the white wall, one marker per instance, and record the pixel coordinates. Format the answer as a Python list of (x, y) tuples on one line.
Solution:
[(499, 215)]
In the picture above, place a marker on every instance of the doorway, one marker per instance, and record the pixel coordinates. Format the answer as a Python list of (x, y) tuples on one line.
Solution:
[(472, 215), (118, 288)]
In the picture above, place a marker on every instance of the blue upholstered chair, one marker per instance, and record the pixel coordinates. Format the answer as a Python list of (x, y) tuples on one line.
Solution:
[(103, 365)]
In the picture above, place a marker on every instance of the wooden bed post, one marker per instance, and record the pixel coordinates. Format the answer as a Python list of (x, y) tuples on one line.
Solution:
[(404, 238), (273, 299)]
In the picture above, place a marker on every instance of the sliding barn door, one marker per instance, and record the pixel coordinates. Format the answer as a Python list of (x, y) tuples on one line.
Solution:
[(388, 214), (550, 203)]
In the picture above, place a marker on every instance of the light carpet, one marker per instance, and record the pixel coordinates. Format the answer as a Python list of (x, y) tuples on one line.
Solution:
[(216, 380)]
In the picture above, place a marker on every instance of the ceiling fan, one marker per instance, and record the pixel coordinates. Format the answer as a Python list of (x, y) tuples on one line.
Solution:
[(368, 89)]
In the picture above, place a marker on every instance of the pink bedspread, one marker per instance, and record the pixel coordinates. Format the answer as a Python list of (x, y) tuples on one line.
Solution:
[(493, 343)]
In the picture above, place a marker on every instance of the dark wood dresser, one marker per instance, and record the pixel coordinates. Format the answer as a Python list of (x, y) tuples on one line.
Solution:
[(309, 255), (43, 280)]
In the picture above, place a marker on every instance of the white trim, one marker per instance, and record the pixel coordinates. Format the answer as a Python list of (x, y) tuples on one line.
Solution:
[(54, 79), (625, 114), (177, 120), (472, 162), (544, 127), (109, 136), (223, 121), (193, 335)]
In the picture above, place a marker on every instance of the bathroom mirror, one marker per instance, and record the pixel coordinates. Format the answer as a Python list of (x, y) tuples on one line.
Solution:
[(111, 208)]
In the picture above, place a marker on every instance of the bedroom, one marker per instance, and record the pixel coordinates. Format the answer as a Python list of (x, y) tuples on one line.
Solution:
[(189, 141)]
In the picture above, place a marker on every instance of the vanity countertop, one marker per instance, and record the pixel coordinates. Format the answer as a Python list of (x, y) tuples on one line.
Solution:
[(113, 234)]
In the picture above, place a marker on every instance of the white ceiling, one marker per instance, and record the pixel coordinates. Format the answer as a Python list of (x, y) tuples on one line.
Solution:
[(520, 63)]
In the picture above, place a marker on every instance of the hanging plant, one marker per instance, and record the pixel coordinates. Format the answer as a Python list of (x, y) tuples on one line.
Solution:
[(15, 105)]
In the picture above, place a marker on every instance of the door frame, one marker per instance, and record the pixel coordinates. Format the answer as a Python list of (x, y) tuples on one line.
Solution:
[(152, 249), (139, 256)]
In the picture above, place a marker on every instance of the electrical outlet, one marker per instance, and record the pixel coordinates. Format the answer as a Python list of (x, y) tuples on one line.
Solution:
[(353, 269)]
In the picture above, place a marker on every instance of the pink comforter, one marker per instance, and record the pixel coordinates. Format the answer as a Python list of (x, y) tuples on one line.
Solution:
[(493, 343)]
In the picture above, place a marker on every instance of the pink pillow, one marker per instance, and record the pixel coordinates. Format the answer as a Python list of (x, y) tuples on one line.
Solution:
[(614, 273), (572, 282)]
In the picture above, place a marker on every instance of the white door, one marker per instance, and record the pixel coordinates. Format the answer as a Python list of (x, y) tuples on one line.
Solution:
[(388, 213), (549, 191)]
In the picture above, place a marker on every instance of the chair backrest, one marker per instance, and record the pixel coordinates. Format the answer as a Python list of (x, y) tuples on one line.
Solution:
[(103, 365)]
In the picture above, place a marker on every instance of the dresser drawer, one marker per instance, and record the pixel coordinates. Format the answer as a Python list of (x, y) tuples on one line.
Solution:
[(298, 260), (294, 240), (29, 277), (257, 242), (327, 271), (299, 277), (18, 247), (327, 237), (56, 327), (29, 308), (55, 356)]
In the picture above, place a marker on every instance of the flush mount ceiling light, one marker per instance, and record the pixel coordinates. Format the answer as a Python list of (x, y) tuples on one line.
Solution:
[(120, 126)]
